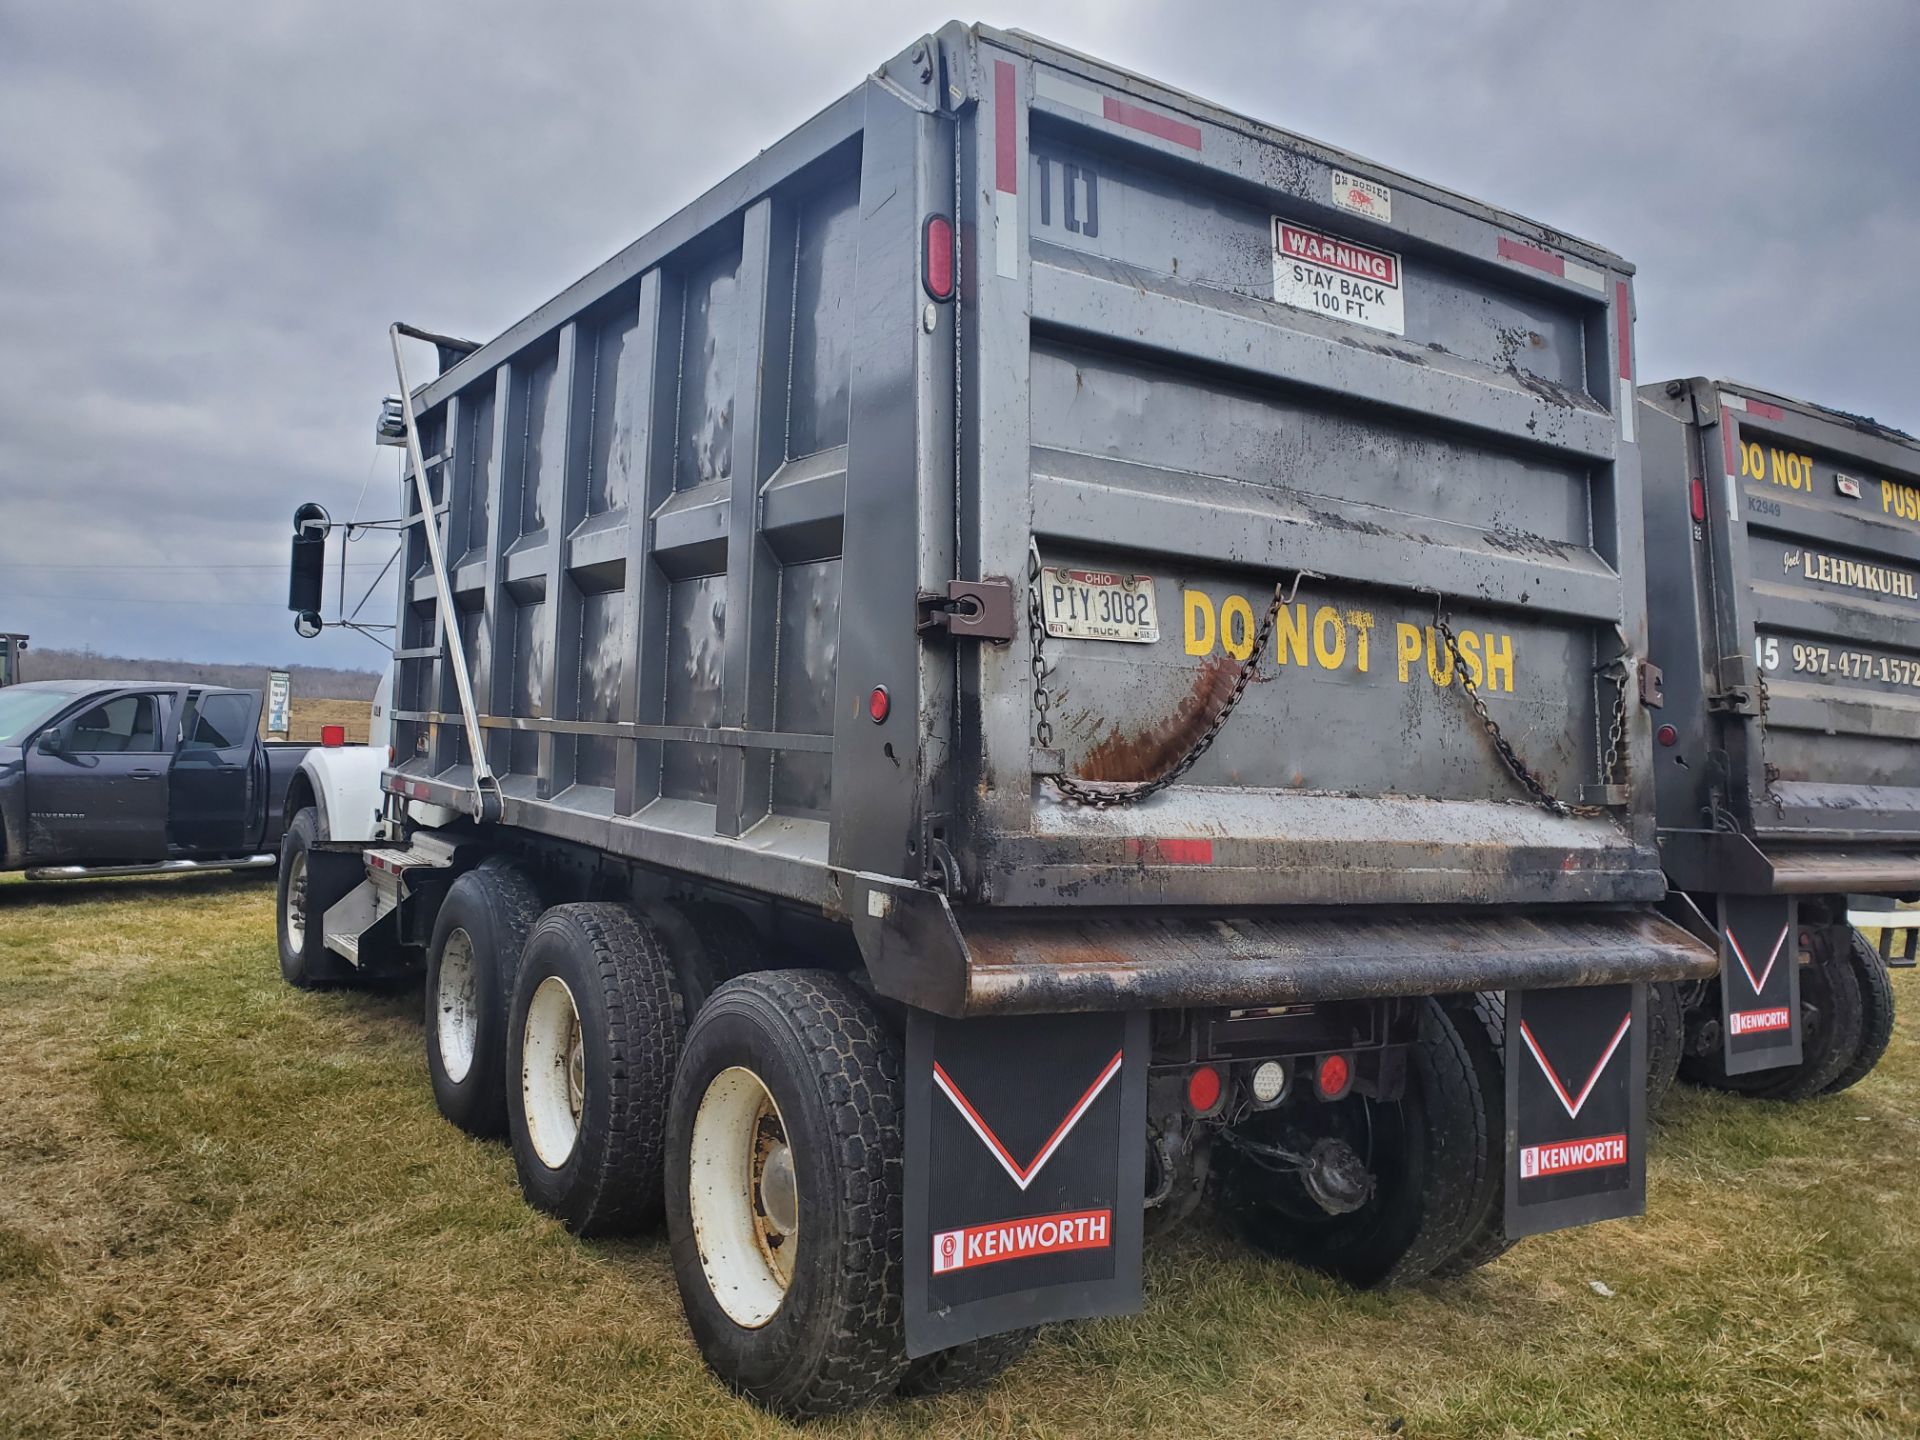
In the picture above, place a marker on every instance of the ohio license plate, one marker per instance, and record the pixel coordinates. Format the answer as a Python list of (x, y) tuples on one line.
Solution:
[(1099, 605)]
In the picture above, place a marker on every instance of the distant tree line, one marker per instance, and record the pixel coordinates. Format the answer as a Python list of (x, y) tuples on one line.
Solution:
[(313, 681)]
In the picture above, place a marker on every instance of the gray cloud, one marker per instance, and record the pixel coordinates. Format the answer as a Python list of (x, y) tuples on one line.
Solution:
[(208, 214)]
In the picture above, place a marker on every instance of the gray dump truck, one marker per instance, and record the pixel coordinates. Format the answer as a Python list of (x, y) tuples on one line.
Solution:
[(1044, 655), (1783, 550)]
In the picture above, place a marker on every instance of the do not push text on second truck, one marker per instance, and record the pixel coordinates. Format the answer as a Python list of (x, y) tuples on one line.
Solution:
[(1042, 657)]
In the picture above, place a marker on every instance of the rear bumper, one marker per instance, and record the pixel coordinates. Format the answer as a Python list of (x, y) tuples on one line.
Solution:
[(1731, 864), (974, 962)]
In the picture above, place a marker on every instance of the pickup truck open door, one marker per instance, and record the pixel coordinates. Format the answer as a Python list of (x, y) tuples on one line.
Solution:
[(216, 797), (97, 780)]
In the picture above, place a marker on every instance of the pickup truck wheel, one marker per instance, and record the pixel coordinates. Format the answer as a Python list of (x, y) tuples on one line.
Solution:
[(310, 882), (592, 1042), (784, 1192), (1426, 1156), (477, 938), (1876, 1014)]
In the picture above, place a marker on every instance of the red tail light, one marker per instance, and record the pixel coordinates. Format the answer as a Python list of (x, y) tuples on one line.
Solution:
[(1697, 494), (1334, 1077), (333, 736), (937, 257), (1203, 1090)]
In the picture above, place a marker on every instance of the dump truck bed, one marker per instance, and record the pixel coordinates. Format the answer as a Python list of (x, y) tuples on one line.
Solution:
[(1786, 619), (703, 512)]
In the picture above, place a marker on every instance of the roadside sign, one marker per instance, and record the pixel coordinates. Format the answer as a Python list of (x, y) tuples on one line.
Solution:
[(279, 702)]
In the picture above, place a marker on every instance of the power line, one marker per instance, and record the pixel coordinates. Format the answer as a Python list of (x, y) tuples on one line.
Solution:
[(9, 565), (141, 600)]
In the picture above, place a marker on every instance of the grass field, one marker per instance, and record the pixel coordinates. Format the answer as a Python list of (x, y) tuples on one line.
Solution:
[(227, 1207), (307, 716)]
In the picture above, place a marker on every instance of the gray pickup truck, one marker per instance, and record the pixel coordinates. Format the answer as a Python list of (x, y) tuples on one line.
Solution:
[(103, 777)]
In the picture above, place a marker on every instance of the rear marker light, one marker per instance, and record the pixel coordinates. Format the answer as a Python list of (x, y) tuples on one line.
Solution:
[(937, 257), (1203, 1090), (1334, 1077), (879, 705), (1667, 735), (1697, 496), (332, 737)]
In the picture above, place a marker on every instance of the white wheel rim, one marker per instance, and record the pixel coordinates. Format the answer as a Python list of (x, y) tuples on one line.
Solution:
[(457, 1006), (553, 1072), (297, 902), (744, 1197)]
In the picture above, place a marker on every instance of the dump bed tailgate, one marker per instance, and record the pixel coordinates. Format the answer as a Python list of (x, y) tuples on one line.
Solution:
[(1215, 359), (1822, 537)]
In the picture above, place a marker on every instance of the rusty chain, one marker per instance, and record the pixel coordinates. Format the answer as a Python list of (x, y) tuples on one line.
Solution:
[(1107, 798), (1535, 787)]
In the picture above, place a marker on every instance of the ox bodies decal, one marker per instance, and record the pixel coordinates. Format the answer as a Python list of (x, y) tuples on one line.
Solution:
[(1576, 1106), (1026, 1156)]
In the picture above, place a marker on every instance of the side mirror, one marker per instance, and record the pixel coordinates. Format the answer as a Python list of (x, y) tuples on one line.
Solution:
[(51, 742), (307, 571)]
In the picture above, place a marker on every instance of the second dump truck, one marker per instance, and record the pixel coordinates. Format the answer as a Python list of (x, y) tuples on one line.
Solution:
[(1783, 543), (1042, 655)]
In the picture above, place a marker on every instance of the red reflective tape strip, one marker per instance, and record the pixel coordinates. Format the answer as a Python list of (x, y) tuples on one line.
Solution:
[(1623, 328), (1532, 255), (1006, 170), (1151, 121), (1171, 852), (1765, 411)]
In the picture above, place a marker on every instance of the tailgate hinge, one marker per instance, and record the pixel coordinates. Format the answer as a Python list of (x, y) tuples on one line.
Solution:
[(968, 610)]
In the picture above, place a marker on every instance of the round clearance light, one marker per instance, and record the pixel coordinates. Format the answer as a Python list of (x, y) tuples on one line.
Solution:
[(1667, 735), (1334, 1077), (879, 705), (1203, 1090), (1269, 1079)]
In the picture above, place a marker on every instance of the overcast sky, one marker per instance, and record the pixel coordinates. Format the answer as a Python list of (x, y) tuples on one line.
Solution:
[(209, 213)]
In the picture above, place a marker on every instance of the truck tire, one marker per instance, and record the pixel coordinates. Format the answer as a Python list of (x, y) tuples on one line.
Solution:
[(1429, 1152), (709, 944), (1832, 1020), (784, 1192), (1482, 1023), (310, 881), (964, 1367), (1876, 1014), (593, 1037), (478, 935), (1666, 1041)]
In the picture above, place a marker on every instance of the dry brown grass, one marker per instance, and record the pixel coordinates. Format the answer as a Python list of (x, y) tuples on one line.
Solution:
[(228, 1207), (307, 716)]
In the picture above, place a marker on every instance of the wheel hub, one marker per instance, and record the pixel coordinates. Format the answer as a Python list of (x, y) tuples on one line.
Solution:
[(297, 901), (744, 1197), (553, 1072), (457, 1008)]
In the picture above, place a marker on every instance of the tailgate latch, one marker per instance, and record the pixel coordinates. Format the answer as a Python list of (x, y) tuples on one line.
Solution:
[(967, 610), (1735, 695)]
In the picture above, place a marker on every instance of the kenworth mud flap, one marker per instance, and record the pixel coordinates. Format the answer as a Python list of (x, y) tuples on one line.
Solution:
[(1025, 1172), (1576, 1106)]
